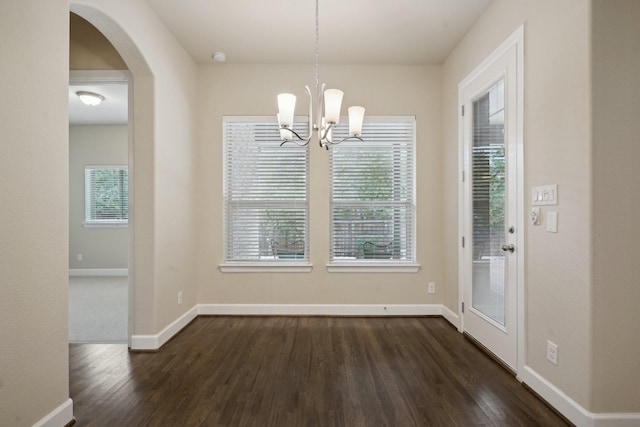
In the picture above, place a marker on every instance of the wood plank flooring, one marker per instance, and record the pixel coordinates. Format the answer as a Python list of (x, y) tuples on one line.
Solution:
[(302, 371)]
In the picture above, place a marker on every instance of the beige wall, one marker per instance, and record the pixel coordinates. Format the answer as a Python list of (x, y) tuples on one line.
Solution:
[(104, 247), (34, 165), (384, 90), (616, 180), (557, 151)]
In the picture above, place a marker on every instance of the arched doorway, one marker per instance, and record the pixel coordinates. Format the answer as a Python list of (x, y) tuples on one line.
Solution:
[(140, 146)]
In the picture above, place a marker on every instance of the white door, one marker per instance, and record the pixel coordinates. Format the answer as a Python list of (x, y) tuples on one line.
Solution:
[(491, 221)]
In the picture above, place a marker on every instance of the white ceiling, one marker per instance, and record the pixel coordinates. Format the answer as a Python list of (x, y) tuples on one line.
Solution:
[(351, 31), (112, 111), (283, 32)]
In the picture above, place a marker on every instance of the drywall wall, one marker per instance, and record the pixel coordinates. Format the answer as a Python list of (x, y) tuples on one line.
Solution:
[(34, 168), (616, 230), (100, 247), (89, 49), (229, 89), (557, 151), (164, 82)]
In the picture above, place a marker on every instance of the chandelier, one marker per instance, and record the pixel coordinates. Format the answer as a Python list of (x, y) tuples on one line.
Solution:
[(329, 99)]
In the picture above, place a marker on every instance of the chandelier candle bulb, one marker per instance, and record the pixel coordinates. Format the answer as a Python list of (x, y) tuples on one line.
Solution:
[(356, 116), (332, 105), (287, 107)]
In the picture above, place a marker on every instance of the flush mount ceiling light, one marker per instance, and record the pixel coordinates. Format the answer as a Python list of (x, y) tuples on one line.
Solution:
[(330, 99), (90, 98)]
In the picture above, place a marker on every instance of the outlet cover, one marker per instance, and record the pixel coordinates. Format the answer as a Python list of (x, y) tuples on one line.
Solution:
[(431, 288), (552, 352), (179, 297)]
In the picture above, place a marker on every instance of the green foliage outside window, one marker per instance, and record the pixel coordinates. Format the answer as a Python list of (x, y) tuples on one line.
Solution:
[(107, 194)]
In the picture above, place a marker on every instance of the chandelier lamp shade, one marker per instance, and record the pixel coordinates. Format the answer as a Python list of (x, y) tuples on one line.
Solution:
[(327, 101)]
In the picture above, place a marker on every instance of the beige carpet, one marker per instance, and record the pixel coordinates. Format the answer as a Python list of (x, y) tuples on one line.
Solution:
[(98, 309)]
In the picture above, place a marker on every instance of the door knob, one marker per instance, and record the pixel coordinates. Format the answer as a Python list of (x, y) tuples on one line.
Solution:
[(509, 248)]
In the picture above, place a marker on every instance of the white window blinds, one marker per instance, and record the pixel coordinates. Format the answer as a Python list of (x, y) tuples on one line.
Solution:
[(372, 193), (106, 194), (265, 193)]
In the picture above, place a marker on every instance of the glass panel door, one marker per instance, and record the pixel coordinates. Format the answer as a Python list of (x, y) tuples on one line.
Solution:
[(491, 196), (488, 190)]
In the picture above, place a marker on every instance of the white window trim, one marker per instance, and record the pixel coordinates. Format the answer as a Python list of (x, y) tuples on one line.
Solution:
[(105, 224), (368, 267), (250, 267)]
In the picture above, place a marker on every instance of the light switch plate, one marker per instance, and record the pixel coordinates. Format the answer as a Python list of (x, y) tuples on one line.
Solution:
[(552, 222), (544, 195)]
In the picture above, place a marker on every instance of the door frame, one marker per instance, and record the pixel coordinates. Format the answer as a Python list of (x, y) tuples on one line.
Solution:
[(120, 76), (515, 39)]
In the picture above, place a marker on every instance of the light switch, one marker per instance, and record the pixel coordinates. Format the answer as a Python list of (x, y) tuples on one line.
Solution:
[(552, 222), (544, 195)]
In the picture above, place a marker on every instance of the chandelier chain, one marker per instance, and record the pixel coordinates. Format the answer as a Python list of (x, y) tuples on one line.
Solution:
[(317, 47)]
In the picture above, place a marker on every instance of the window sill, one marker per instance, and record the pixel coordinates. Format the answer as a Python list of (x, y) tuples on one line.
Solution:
[(281, 267), (362, 267), (105, 224)]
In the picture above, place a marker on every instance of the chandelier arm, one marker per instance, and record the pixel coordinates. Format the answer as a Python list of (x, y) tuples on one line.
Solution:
[(345, 139), (294, 134), (325, 132), (308, 91), (304, 142), (350, 137)]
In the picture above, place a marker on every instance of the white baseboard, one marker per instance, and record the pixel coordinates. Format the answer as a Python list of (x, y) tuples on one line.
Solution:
[(571, 409), (61, 416), (154, 342), (98, 272), (451, 317), (320, 309)]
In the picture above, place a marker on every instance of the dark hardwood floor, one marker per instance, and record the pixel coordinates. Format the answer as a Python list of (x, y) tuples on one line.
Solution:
[(302, 371)]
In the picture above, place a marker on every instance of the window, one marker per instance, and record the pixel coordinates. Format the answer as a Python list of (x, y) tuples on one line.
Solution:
[(265, 193), (372, 193), (106, 195)]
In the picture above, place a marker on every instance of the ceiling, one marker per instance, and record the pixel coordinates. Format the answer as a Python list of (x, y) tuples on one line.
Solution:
[(351, 31), (283, 32), (112, 111)]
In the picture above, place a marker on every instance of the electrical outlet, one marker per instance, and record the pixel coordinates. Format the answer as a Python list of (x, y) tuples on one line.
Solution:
[(431, 288), (552, 352), (179, 297), (79, 257)]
